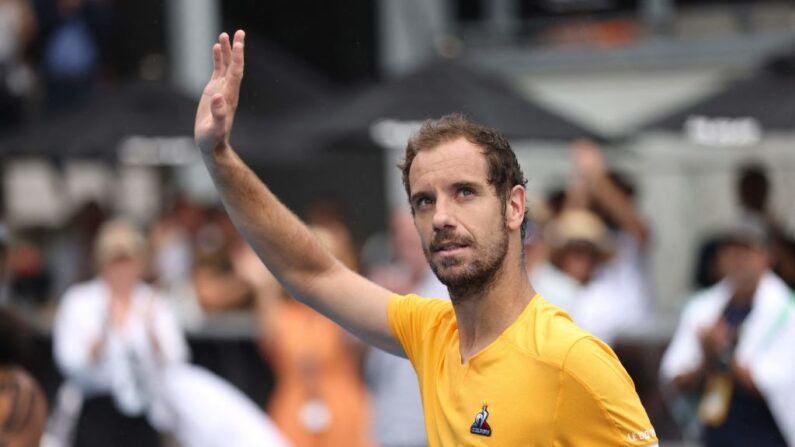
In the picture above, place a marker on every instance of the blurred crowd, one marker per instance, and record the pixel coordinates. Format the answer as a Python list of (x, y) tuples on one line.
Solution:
[(120, 299), (53, 53), (122, 296)]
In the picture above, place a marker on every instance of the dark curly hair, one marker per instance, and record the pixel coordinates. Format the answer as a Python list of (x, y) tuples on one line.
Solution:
[(504, 169)]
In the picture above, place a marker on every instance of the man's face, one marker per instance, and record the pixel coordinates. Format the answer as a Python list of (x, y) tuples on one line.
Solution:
[(459, 216)]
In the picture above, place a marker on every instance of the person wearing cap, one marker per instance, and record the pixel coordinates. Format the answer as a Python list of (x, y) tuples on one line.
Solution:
[(587, 278), (733, 349), (595, 272), (116, 335)]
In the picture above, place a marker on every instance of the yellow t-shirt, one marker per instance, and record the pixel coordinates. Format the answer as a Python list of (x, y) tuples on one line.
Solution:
[(543, 382)]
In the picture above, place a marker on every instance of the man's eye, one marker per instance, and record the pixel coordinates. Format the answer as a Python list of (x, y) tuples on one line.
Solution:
[(465, 192), (422, 201)]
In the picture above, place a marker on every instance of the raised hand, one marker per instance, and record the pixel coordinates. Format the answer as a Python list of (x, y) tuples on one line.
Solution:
[(588, 159), (219, 100)]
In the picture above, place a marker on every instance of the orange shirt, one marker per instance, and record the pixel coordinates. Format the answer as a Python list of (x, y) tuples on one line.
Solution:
[(320, 399)]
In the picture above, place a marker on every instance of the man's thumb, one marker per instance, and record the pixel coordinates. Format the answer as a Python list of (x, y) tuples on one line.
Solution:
[(218, 107)]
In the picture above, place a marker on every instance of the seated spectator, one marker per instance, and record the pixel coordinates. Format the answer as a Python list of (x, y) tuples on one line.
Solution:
[(116, 336), (733, 348)]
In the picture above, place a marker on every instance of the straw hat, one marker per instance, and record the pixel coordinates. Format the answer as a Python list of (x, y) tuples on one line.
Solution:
[(579, 227)]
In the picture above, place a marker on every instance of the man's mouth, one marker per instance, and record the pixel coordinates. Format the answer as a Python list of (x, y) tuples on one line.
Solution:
[(448, 247)]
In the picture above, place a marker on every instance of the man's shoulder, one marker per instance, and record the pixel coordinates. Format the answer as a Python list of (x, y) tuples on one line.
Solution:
[(547, 332), (421, 325), (420, 311), (421, 306)]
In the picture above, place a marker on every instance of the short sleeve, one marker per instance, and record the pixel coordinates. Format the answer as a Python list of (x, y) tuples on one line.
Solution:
[(411, 318), (597, 404)]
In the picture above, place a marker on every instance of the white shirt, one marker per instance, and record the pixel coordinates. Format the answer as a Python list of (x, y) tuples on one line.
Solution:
[(200, 409), (127, 354), (765, 344), (615, 300)]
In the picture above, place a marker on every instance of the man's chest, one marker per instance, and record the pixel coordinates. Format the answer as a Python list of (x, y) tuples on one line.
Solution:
[(497, 399)]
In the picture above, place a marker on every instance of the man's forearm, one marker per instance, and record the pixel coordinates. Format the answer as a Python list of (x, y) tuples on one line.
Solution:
[(620, 208), (280, 239)]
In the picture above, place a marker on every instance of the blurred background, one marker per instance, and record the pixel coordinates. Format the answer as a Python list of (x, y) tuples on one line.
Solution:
[(669, 121)]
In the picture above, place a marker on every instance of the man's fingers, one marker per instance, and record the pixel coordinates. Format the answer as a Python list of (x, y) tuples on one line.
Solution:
[(238, 59), (218, 69), (226, 51)]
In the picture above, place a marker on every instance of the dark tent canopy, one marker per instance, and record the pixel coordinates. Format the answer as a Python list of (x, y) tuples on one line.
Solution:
[(276, 82), (767, 96), (273, 84), (439, 89), (97, 127)]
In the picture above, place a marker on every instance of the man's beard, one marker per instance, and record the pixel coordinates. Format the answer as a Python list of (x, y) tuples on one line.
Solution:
[(475, 278)]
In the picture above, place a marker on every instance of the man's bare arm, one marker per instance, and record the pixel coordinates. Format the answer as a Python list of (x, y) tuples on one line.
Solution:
[(280, 239)]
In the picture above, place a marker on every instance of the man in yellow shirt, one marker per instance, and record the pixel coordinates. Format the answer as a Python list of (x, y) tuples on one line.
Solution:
[(497, 365)]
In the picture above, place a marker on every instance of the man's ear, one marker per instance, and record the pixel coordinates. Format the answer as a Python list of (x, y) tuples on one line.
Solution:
[(515, 211)]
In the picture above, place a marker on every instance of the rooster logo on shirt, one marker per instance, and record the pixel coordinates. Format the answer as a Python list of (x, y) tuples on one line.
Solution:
[(480, 426)]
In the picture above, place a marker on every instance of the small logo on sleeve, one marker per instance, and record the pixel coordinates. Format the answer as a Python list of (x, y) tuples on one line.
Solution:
[(642, 435), (480, 426)]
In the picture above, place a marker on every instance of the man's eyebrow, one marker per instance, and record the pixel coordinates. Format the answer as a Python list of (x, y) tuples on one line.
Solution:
[(418, 195), (465, 184)]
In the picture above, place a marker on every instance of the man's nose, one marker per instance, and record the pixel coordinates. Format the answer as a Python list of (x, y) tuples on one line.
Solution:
[(443, 216)]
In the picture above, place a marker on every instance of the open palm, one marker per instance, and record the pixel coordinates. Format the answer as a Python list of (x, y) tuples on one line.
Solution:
[(219, 100)]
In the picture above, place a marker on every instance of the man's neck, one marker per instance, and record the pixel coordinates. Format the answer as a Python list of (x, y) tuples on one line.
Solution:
[(485, 315)]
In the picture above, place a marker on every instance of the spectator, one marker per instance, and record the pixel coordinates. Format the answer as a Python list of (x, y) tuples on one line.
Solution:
[(23, 407), (398, 415), (117, 336), (599, 278), (30, 281), (320, 398), (753, 190), (18, 28), (216, 284), (733, 348), (75, 36)]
